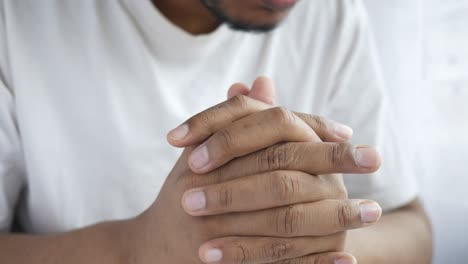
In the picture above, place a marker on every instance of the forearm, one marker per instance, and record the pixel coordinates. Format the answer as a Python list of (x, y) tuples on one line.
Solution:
[(402, 236), (103, 243)]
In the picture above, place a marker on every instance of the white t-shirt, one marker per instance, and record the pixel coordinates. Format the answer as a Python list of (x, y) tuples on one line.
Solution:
[(89, 90), (424, 47)]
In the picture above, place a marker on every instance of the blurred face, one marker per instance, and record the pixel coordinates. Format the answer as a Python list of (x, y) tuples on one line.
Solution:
[(250, 15)]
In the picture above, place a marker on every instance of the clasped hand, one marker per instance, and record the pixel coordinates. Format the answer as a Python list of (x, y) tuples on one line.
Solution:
[(262, 185)]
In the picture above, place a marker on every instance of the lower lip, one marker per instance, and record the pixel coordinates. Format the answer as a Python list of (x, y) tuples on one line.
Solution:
[(280, 4)]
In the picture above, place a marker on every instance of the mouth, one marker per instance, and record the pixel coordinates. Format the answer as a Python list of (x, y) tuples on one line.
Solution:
[(279, 5)]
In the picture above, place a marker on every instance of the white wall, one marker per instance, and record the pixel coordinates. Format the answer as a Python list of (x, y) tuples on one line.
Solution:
[(424, 50)]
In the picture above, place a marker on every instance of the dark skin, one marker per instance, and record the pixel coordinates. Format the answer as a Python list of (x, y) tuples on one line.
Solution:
[(403, 225), (263, 207), (309, 226), (195, 18), (152, 237), (186, 15)]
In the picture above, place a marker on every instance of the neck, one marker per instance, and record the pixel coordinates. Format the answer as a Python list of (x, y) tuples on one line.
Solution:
[(190, 15)]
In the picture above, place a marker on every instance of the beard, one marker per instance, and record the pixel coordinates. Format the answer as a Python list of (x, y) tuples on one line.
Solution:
[(216, 8)]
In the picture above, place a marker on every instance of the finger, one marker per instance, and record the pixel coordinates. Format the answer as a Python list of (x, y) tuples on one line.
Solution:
[(250, 134), (262, 191), (323, 127), (238, 89), (320, 218), (204, 124), (308, 157), (255, 250), (263, 89)]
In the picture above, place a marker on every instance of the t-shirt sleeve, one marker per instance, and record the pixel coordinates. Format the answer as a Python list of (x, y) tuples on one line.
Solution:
[(357, 98), (11, 176)]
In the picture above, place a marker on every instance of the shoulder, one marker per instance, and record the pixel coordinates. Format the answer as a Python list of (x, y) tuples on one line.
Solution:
[(325, 20), (34, 14), (28, 28)]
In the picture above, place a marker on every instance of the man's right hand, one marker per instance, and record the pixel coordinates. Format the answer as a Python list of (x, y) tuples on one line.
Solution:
[(257, 208)]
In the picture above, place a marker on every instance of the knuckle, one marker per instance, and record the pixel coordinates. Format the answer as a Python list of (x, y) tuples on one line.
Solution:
[(344, 213), (285, 187), (216, 176), (241, 255), (338, 153), (207, 118), (191, 181), (320, 123), (277, 250), (224, 196), (289, 220), (275, 158), (283, 116), (239, 101), (204, 119), (225, 139)]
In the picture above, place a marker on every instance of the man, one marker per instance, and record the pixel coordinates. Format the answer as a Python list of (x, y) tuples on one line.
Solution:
[(90, 88)]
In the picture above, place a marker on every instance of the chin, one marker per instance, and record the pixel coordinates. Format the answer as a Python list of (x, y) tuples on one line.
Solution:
[(247, 15), (263, 21), (257, 25)]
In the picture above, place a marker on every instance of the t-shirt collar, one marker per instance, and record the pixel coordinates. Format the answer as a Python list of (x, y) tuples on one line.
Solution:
[(167, 39)]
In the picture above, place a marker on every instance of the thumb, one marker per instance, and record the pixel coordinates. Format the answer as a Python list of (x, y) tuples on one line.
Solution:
[(263, 90), (238, 89)]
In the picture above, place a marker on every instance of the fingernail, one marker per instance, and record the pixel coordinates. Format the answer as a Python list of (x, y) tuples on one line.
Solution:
[(344, 261), (343, 131), (199, 157), (213, 255), (179, 132), (366, 157), (370, 212), (195, 201)]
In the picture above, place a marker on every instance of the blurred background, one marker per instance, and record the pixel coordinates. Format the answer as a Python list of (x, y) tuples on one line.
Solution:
[(423, 45)]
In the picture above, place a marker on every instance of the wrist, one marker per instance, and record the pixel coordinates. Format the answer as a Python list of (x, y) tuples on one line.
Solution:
[(130, 243), (139, 242)]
